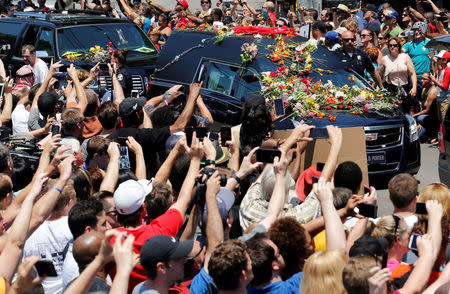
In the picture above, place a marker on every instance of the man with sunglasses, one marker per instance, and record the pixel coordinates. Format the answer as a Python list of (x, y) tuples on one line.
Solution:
[(355, 58), (206, 6), (370, 15)]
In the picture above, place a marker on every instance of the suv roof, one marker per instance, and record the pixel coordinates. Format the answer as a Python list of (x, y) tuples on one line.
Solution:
[(64, 18)]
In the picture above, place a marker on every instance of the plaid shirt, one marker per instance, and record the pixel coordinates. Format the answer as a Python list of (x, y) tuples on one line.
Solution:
[(254, 207)]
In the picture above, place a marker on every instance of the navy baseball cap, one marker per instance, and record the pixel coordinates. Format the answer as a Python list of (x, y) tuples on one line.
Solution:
[(130, 105)]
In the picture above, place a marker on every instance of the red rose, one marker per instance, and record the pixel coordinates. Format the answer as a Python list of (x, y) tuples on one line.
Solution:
[(340, 106), (328, 107)]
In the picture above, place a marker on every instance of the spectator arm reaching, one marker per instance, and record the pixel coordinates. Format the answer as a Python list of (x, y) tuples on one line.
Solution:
[(127, 9), (82, 284), (7, 108), (435, 213), (109, 181), (118, 90), (191, 226), (357, 232), (26, 277), (294, 169), (246, 168), (416, 14), (186, 114), (250, 8), (214, 226), (445, 82), (16, 238), (233, 147), (185, 195), (93, 73), (164, 171), (81, 94), (334, 229), (51, 72), (423, 266), (204, 111), (420, 7), (443, 279), (2, 69), (335, 140), (300, 133), (278, 197), (44, 206), (436, 9), (141, 170), (126, 260)]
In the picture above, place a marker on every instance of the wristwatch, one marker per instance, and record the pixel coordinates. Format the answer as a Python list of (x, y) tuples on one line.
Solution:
[(234, 176)]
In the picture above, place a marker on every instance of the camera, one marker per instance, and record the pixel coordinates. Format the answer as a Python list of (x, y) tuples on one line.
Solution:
[(209, 172)]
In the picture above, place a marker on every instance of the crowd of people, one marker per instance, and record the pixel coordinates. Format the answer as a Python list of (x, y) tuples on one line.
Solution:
[(121, 200)]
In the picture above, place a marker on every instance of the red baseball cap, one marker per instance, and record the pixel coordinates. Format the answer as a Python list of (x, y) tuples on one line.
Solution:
[(183, 3)]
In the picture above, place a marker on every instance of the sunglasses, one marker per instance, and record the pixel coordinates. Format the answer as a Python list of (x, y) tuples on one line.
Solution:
[(397, 222), (365, 35), (348, 39), (393, 45), (381, 38), (204, 3)]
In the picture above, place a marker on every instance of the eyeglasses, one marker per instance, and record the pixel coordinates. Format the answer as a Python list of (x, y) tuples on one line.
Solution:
[(348, 39), (393, 45), (397, 222)]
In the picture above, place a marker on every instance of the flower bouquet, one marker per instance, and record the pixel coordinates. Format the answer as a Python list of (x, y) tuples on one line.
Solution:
[(95, 54)]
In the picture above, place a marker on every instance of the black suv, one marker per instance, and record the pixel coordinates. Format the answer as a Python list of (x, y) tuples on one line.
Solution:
[(55, 34), (391, 141)]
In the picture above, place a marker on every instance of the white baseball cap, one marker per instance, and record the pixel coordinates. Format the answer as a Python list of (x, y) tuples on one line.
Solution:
[(130, 195)]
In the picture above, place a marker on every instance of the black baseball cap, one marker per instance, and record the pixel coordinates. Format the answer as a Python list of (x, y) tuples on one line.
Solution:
[(162, 248), (130, 105), (370, 7)]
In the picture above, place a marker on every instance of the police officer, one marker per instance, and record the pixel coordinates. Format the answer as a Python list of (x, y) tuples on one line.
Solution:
[(119, 57), (355, 58)]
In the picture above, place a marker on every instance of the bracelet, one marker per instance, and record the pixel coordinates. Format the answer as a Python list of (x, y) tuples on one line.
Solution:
[(56, 188), (210, 162), (238, 179)]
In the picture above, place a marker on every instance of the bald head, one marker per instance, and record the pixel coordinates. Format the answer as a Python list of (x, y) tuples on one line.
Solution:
[(348, 35), (86, 247)]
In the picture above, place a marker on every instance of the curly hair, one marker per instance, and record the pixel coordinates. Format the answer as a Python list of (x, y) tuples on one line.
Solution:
[(226, 264), (290, 237)]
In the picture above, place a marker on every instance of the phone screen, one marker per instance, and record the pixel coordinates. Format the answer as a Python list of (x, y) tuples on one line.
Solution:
[(315, 179), (366, 190), (267, 155), (368, 210), (189, 131), (421, 208), (279, 109), (45, 268), (122, 141), (213, 136), (318, 133), (201, 132), (54, 129), (134, 93), (2, 86), (320, 166), (225, 135), (124, 159), (413, 241)]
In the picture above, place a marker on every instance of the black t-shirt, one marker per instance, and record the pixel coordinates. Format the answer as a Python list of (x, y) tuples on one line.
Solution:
[(124, 78), (151, 140), (358, 61)]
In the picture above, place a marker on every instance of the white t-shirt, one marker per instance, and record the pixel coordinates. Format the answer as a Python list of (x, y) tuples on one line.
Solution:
[(49, 242), (70, 270), (19, 119), (40, 71), (141, 289)]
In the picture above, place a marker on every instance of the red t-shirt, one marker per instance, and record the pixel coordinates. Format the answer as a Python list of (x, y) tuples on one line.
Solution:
[(167, 224)]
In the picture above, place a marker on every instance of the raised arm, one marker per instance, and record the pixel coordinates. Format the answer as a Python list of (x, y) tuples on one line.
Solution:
[(164, 171), (185, 196), (125, 259), (204, 111), (278, 197), (118, 90), (93, 73), (185, 116), (133, 145), (335, 140), (333, 226), (7, 108), (43, 87), (300, 133), (214, 225), (246, 168), (15, 242), (127, 9), (112, 174), (81, 94)]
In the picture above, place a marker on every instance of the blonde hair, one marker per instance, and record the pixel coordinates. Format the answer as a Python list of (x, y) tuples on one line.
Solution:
[(439, 192), (322, 273), (351, 25), (386, 228)]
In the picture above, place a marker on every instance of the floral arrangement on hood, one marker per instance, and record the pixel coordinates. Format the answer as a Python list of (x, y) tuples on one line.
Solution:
[(95, 54)]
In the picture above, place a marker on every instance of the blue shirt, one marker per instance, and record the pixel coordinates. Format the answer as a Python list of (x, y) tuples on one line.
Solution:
[(359, 18), (290, 286), (419, 55), (203, 283), (147, 23)]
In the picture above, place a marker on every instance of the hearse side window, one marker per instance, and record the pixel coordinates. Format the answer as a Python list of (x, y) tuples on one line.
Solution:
[(221, 78), (8, 34), (248, 84), (28, 39), (45, 42)]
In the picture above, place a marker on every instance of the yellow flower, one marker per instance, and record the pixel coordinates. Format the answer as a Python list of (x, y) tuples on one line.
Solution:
[(308, 59), (97, 47), (92, 49)]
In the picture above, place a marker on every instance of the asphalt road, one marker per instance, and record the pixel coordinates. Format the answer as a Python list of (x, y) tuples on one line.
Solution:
[(427, 174)]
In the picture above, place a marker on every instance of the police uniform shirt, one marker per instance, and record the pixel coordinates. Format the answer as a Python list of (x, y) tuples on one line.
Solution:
[(357, 60), (124, 78)]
